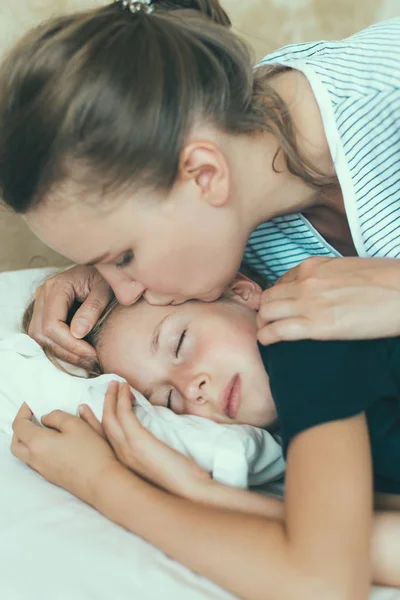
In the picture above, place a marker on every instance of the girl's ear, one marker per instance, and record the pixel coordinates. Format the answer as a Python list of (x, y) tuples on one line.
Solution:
[(246, 291)]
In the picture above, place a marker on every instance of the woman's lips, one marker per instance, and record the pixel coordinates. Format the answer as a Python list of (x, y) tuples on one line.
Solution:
[(231, 397)]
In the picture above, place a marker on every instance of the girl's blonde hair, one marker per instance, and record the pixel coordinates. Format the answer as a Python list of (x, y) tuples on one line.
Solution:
[(110, 97)]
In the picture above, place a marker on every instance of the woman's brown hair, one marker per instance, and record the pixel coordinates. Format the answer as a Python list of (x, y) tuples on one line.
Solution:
[(109, 97)]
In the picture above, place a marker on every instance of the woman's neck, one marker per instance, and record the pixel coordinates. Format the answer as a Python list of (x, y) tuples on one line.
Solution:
[(264, 187)]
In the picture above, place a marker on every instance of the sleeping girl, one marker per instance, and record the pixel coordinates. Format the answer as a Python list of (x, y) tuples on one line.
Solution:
[(203, 359)]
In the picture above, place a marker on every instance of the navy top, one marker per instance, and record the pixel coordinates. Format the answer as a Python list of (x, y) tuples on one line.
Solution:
[(315, 382)]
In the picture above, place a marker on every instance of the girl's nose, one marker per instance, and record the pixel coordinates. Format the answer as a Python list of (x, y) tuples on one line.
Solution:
[(197, 388)]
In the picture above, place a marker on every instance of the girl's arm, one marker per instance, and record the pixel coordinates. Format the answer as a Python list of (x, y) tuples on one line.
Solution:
[(386, 549), (320, 551)]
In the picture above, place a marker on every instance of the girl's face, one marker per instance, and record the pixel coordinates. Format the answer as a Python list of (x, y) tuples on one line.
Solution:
[(197, 358), (186, 245)]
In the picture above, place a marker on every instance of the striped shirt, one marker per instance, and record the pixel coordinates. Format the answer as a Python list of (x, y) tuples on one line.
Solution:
[(356, 82)]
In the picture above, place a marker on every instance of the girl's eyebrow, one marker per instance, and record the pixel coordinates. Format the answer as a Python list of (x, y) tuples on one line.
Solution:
[(154, 345)]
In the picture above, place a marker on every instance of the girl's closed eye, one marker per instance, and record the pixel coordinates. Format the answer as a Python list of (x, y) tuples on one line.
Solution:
[(181, 340), (178, 349)]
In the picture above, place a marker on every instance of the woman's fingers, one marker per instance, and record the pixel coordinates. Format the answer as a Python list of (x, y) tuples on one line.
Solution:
[(55, 298), (48, 324), (91, 310), (276, 310), (289, 329)]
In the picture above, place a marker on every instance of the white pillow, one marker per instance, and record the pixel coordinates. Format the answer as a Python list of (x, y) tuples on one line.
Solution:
[(237, 455)]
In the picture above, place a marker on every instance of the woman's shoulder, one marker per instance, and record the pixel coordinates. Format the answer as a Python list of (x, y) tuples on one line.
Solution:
[(368, 60)]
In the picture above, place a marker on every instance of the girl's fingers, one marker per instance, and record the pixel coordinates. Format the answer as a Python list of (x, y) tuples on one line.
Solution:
[(20, 450), (125, 414), (87, 415), (24, 412), (109, 421), (59, 420), (22, 426)]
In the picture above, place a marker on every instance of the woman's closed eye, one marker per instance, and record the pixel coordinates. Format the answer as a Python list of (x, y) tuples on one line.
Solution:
[(124, 260)]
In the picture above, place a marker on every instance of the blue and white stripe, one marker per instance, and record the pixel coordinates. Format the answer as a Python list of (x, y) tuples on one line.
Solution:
[(356, 83)]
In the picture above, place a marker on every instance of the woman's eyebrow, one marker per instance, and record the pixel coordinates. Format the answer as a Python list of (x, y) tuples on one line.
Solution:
[(154, 345), (93, 262)]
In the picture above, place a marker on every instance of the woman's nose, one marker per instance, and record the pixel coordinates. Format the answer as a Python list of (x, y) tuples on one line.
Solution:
[(161, 299), (197, 389), (128, 292), (126, 289)]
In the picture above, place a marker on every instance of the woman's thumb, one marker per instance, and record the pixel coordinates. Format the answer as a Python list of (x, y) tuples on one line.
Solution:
[(92, 308)]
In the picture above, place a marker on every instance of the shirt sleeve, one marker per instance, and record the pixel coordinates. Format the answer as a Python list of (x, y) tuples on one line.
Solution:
[(314, 382)]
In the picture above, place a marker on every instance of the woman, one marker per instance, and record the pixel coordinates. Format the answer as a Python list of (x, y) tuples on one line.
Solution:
[(152, 148)]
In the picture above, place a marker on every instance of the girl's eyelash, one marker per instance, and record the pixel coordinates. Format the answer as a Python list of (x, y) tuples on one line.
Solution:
[(125, 259), (179, 346), (181, 340)]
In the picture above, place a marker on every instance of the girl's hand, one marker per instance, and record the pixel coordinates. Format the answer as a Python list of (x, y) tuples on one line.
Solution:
[(333, 298), (70, 454), (141, 451)]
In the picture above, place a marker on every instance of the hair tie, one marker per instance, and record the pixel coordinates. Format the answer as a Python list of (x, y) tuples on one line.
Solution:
[(137, 6)]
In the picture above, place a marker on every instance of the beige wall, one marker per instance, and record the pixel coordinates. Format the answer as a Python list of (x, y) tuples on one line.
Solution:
[(267, 24)]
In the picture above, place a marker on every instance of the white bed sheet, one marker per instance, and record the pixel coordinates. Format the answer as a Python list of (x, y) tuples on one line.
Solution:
[(54, 547)]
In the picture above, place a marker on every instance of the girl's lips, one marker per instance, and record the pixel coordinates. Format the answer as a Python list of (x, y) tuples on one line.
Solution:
[(231, 397)]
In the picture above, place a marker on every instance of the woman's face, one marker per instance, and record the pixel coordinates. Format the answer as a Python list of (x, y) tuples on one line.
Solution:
[(197, 358), (187, 244)]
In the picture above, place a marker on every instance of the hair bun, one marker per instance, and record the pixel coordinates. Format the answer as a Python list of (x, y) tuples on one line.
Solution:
[(210, 8)]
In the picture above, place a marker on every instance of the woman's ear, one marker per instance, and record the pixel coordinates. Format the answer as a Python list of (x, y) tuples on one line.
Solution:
[(246, 291), (203, 163)]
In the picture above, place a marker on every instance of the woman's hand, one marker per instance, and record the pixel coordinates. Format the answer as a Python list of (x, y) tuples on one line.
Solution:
[(70, 454), (333, 298), (141, 451), (53, 300)]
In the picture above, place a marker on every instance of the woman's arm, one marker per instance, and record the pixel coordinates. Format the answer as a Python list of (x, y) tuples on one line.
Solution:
[(320, 551)]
